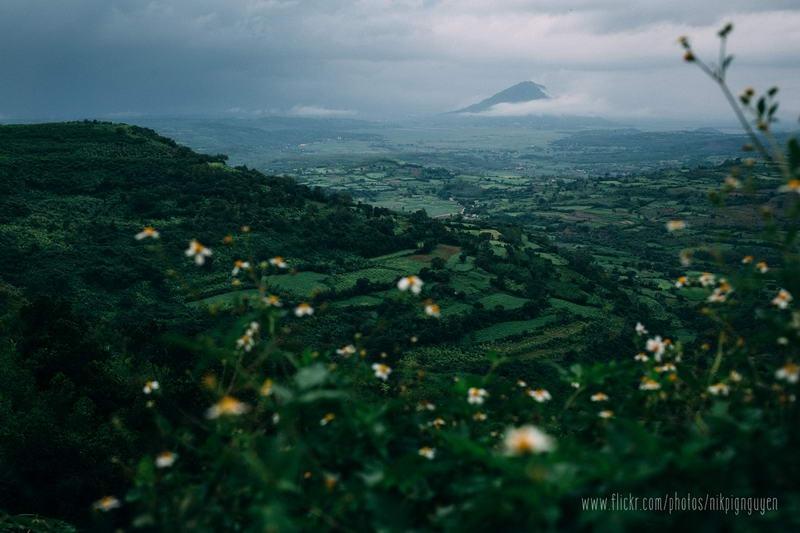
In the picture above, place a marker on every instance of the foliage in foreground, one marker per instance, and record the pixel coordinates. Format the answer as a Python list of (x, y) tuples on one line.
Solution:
[(283, 440)]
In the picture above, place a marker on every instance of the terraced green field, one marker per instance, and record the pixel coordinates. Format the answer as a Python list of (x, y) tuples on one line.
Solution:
[(301, 284), (616, 223), (502, 300), (511, 328), (548, 332), (580, 310)]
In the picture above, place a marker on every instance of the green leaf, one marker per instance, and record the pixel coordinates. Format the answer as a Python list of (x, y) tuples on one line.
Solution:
[(311, 376), (720, 409), (794, 156), (282, 392), (315, 396), (372, 475), (146, 471), (761, 106), (463, 445), (725, 30), (772, 109)]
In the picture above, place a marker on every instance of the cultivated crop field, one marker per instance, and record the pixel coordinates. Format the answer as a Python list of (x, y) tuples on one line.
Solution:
[(612, 218)]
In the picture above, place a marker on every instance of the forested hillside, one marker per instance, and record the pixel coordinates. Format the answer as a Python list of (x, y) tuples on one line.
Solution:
[(87, 305)]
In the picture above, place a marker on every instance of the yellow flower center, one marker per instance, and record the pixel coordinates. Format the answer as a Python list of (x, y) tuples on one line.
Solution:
[(229, 404)]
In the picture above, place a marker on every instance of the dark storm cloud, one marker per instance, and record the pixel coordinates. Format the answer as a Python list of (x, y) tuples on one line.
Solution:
[(76, 58)]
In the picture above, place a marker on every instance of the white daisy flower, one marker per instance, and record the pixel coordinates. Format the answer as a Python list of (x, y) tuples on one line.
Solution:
[(427, 452), (166, 459), (246, 342), (437, 422), (656, 346), (426, 406), (198, 251), (707, 279), (107, 503), (303, 309), (272, 301), (719, 389), (668, 367), (720, 294), (278, 262), (149, 232), (476, 396), (346, 351), (675, 225), (790, 372), (238, 266), (732, 182), (150, 386), (433, 310), (227, 406), (381, 371), (412, 283), (782, 300), (527, 440), (540, 395), (649, 384)]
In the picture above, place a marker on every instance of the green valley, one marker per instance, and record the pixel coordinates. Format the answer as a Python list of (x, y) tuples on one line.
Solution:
[(312, 268)]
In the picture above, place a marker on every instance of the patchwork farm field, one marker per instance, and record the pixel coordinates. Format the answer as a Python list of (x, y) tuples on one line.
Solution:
[(487, 304), (595, 198), (613, 222)]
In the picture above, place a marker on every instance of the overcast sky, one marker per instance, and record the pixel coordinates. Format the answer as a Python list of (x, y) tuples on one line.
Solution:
[(372, 58)]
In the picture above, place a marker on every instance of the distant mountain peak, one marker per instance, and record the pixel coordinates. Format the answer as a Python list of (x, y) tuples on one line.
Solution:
[(522, 92)]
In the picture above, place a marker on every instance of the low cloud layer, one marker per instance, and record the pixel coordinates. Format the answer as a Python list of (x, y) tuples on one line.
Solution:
[(565, 105), (374, 58), (319, 111)]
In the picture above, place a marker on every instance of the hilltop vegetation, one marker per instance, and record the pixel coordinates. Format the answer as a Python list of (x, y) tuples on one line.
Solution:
[(88, 305)]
